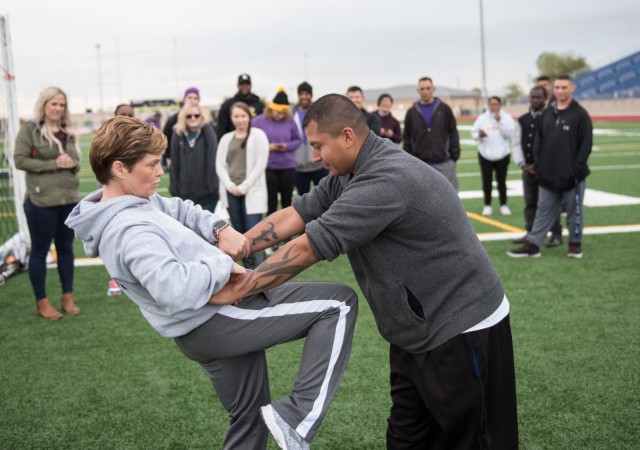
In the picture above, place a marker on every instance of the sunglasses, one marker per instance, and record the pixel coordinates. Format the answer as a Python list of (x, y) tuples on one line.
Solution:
[(189, 116)]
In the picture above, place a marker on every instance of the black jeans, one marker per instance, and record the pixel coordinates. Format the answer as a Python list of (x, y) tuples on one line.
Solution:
[(486, 170), (280, 181)]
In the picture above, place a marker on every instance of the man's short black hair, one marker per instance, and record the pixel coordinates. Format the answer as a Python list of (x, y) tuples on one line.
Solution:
[(543, 78), (354, 89), (334, 112), (564, 77), (539, 88)]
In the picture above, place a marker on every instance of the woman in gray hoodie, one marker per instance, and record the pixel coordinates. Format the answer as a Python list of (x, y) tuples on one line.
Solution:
[(161, 252)]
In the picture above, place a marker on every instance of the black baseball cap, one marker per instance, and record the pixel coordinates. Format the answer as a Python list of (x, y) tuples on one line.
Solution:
[(244, 78)]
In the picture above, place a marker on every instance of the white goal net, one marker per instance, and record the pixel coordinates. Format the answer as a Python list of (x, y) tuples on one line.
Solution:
[(14, 233)]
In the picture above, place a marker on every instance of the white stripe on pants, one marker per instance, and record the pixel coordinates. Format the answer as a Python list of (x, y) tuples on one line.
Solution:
[(238, 335)]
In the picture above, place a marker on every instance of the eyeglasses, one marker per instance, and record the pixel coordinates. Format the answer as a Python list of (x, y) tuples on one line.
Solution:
[(189, 116)]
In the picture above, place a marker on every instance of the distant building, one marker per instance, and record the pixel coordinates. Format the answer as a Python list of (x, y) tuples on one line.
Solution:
[(462, 102)]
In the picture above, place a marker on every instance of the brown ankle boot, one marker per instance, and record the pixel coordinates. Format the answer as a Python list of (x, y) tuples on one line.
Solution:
[(45, 310), (69, 305)]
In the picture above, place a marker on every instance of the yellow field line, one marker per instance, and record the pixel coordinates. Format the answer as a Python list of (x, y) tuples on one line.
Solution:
[(495, 223)]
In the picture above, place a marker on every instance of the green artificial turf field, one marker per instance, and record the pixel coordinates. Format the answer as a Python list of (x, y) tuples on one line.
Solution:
[(107, 380)]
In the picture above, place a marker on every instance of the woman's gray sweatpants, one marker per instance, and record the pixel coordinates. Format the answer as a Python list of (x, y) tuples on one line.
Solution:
[(231, 348)]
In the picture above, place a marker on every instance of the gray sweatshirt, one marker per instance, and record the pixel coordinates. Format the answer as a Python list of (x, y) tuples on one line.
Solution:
[(159, 251), (413, 251)]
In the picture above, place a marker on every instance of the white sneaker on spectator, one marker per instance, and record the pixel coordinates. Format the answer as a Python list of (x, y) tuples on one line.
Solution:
[(487, 210), (505, 211)]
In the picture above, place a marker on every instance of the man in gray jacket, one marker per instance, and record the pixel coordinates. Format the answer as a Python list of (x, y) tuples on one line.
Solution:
[(307, 171), (432, 288)]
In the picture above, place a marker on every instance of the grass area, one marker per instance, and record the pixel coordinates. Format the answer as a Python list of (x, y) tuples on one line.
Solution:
[(106, 379)]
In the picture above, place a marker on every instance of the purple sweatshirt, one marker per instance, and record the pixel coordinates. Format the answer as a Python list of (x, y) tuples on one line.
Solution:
[(284, 132)]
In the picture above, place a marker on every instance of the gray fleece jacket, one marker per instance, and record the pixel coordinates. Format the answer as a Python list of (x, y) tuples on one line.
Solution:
[(413, 251), (159, 251)]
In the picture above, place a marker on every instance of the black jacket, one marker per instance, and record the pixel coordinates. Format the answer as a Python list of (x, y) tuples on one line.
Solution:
[(168, 132), (192, 174), (562, 146), (436, 143), (529, 123), (224, 115), (372, 120)]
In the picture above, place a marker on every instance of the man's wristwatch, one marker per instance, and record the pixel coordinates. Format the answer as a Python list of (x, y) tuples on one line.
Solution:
[(218, 227)]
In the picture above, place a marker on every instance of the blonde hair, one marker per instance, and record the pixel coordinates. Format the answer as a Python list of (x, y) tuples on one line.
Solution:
[(268, 112), (181, 125), (123, 139), (64, 124)]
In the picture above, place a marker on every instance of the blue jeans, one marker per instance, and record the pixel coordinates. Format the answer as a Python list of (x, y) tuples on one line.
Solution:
[(304, 179), (241, 221), (46, 225)]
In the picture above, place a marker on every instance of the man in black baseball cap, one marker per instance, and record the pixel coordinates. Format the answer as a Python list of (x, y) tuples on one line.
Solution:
[(244, 95)]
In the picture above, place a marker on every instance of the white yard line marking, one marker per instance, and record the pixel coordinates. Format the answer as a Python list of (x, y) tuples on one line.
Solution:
[(592, 197)]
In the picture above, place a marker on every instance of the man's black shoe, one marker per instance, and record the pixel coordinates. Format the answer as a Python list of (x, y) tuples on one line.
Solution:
[(528, 250)]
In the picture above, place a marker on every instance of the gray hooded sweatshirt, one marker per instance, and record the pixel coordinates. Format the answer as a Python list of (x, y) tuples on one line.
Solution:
[(159, 251), (413, 251)]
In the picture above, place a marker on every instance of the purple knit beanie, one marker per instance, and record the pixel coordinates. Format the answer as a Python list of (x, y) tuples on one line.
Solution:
[(191, 90)]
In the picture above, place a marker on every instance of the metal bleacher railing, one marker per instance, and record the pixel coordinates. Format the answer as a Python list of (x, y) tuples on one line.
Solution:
[(619, 79)]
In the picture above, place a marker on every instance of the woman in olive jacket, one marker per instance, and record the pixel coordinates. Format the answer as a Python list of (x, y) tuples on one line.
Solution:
[(48, 151)]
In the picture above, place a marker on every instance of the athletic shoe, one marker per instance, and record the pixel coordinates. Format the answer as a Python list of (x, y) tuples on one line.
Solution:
[(505, 211), (575, 250), (528, 250), (554, 241), (487, 210), (286, 437), (114, 288), (520, 240)]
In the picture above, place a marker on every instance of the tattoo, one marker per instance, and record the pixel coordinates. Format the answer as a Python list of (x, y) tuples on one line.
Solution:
[(264, 234), (271, 274)]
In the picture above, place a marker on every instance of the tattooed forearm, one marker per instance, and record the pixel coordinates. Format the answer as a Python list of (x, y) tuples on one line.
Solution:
[(273, 273), (266, 235)]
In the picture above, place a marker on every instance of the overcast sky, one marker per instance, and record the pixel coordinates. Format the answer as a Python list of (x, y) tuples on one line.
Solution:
[(156, 49)]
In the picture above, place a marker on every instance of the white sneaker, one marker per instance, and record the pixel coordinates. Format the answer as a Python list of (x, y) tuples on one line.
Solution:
[(286, 437), (487, 210), (505, 211)]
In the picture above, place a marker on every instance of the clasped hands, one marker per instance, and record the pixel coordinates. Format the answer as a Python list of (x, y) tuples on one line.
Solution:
[(64, 161)]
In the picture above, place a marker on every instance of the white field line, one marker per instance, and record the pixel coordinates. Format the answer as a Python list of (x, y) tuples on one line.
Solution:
[(596, 131), (499, 236)]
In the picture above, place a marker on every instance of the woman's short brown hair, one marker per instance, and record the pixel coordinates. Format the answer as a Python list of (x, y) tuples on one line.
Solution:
[(123, 139)]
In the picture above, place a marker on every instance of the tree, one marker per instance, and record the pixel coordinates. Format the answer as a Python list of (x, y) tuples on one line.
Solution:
[(514, 94), (553, 64)]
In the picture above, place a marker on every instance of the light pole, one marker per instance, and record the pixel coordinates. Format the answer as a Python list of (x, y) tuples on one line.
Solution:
[(484, 69), (306, 67), (100, 84)]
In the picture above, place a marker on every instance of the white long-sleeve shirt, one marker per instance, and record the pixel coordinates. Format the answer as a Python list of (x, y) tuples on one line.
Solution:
[(496, 145)]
